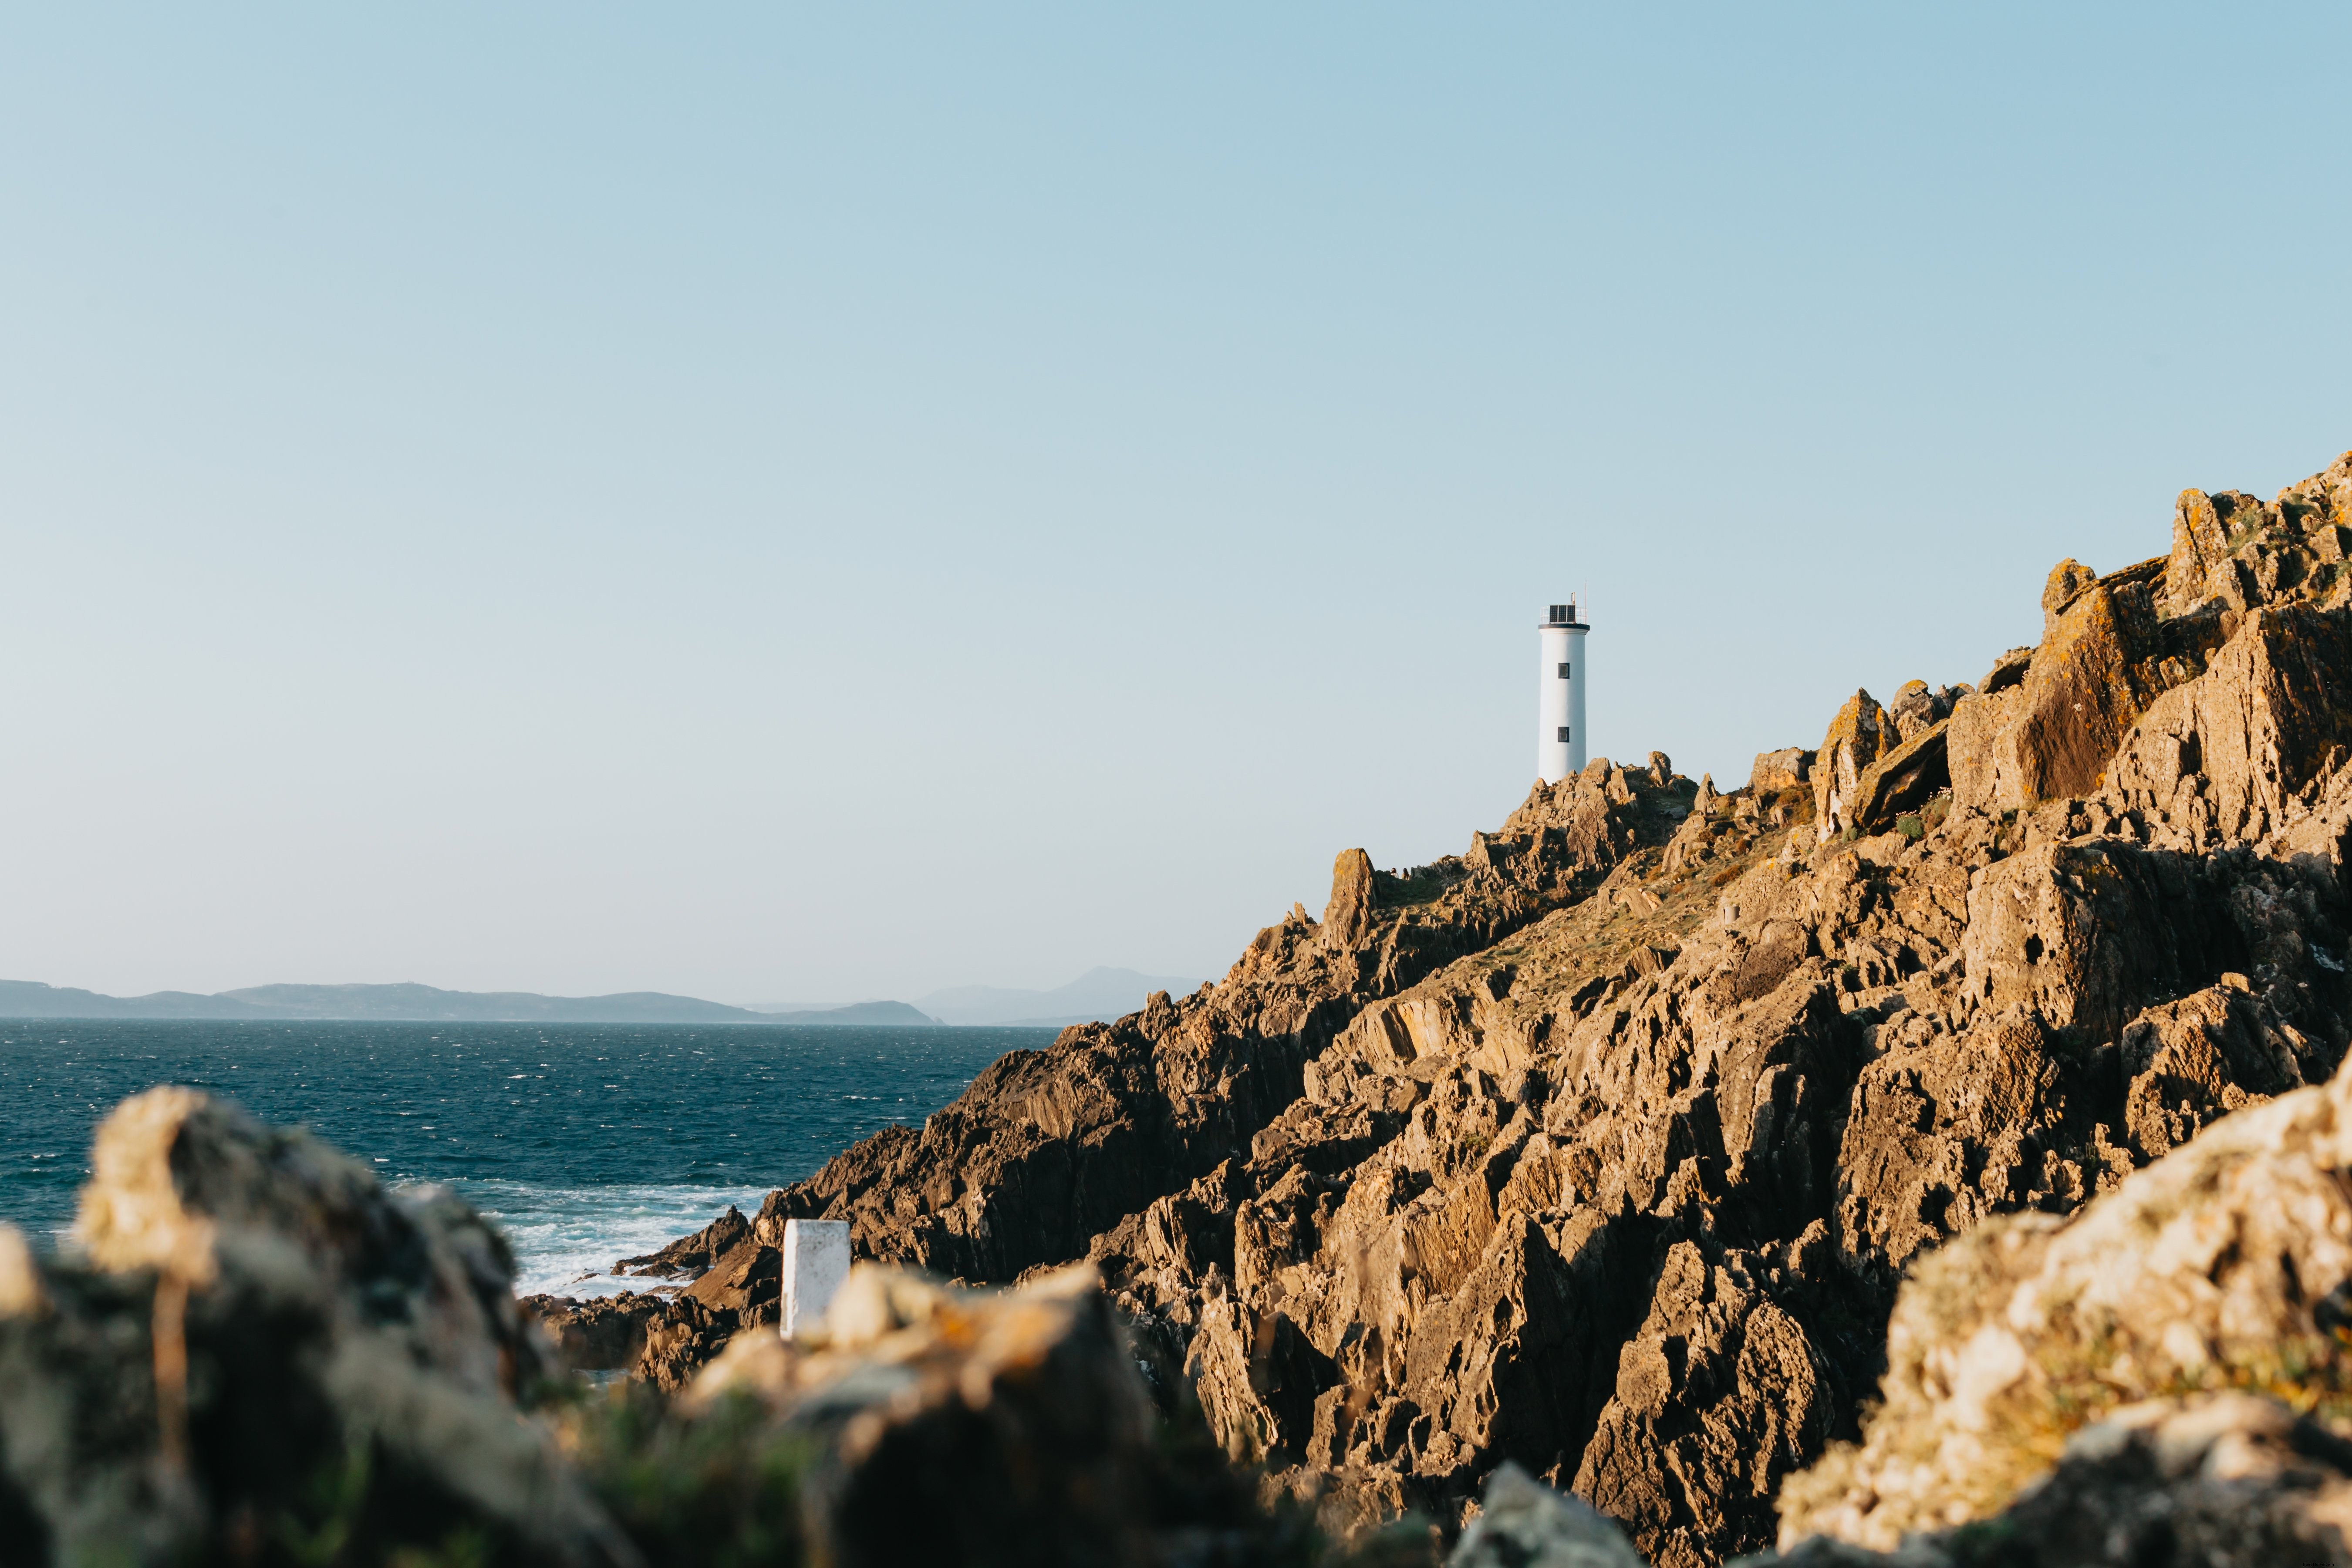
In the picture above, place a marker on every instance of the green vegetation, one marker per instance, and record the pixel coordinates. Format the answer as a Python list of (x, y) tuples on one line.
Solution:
[(720, 1489)]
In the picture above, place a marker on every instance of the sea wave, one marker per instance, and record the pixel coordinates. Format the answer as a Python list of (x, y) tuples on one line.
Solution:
[(566, 1239)]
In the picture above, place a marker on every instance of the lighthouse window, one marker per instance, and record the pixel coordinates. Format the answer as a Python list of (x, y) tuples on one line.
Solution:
[(1563, 732), (1563, 672)]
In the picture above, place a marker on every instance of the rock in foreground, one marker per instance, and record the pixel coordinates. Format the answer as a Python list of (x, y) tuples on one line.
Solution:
[(257, 1354), (2227, 1481), (974, 1426), (265, 1356)]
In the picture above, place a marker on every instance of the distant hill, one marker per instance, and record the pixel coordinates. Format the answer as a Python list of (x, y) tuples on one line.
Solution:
[(419, 1004), (1097, 995), (856, 1013), (424, 1003), (31, 999)]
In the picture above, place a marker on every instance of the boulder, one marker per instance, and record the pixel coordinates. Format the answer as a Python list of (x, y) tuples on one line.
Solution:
[(2228, 1262), (1526, 1524), (1857, 737), (950, 1425), (604, 1334), (2220, 1480), (1903, 780), (258, 1336), (1776, 770)]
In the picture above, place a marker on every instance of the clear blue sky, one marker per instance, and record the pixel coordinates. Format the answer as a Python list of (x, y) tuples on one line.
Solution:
[(834, 501)]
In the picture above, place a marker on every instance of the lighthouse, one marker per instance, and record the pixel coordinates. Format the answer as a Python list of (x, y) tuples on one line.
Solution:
[(1560, 694)]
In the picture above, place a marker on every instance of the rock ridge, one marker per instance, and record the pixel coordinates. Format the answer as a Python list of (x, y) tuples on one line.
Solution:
[(1605, 1148)]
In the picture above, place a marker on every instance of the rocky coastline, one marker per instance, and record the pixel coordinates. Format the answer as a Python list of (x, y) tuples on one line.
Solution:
[(1931, 1152)]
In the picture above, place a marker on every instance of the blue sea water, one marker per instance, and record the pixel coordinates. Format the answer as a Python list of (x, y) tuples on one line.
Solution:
[(585, 1142)]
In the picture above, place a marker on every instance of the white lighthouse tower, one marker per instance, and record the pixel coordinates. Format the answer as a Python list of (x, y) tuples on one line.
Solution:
[(1560, 694)]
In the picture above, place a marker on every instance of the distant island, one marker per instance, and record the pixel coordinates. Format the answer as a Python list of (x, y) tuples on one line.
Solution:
[(424, 1003), (1098, 995)]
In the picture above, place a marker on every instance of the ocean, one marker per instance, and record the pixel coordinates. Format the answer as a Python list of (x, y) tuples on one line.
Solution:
[(584, 1142)]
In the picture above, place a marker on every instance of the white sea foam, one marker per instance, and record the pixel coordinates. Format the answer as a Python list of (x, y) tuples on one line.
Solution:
[(566, 1239)]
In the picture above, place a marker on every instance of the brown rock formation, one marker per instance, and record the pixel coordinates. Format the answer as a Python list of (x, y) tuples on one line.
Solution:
[(2227, 1262), (1048, 1149), (1858, 736), (1776, 770), (605, 1334), (1602, 1148)]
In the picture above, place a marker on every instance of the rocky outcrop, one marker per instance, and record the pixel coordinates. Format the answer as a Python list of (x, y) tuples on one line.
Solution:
[(689, 1257), (257, 1354), (2229, 1261), (606, 1333), (1858, 737), (1603, 1149), (1047, 1149), (1776, 770), (2225, 1481), (1720, 1393)]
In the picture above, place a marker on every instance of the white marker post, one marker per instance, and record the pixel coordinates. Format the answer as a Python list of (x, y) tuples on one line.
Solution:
[(817, 1260)]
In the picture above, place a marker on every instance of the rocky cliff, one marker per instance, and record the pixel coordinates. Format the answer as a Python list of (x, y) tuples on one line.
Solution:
[(1604, 1147)]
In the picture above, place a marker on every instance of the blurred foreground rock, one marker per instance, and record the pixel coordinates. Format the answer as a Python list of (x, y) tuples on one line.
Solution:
[(262, 1355), (2228, 1264), (2222, 1481), (973, 1426), (257, 1354), (1526, 1524)]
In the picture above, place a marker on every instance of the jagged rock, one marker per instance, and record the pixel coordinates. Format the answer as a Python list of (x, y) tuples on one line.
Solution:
[(747, 1280), (604, 1334), (2228, 1260), (1857, 737), (1777, 771), (2068, 580), (2087, 933), (681, 1339), (1348, 915), (2191, 1061), (690, 1256), (1047, 1150), (1947, 1133), (2007, 671), (266, 1345), (1718, 1394), (1526, 1524), (2222, 1481), (2225, 755), (1918, 707), (1905, 779), (2051, 734)]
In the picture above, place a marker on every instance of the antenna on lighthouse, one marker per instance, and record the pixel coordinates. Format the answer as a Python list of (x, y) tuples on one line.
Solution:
[(1559, 693)]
